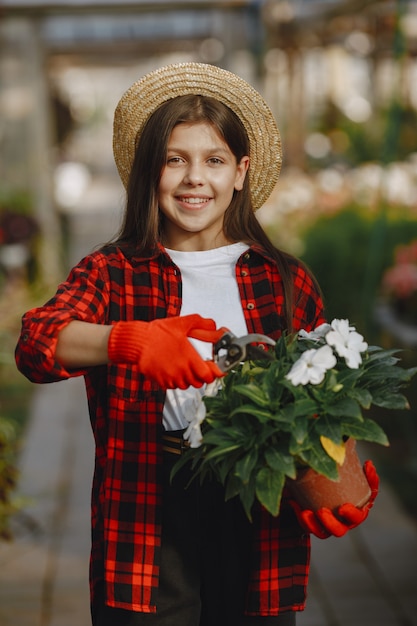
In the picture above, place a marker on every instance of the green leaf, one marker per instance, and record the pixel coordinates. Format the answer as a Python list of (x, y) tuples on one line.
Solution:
[(247, 497), (254, 393), (269, 487), (304, 407), (225, 466), (260, 414), (411, 372), (348, 377), (343, 406), (362, 396), (215, 453), (319, 460), (368, 430), (177, 466), (299, 430), (376, 353), (391, 401), (224, 427), (387, 372), (246, 464), (280, 462), (265, 434), (329, 428), (233, 487), (281, 348)]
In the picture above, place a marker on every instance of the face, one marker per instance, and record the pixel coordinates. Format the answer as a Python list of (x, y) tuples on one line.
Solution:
[(196, 187)]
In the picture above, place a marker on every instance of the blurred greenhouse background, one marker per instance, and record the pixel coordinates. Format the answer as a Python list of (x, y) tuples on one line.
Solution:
[(341, 79)]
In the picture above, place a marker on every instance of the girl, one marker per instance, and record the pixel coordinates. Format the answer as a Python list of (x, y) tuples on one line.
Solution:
[(198, 151)]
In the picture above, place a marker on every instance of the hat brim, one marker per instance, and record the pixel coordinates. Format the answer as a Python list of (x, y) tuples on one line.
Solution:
[(147, 94)]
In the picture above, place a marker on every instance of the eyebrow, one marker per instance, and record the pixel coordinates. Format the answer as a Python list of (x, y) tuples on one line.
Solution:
[(210, 150)]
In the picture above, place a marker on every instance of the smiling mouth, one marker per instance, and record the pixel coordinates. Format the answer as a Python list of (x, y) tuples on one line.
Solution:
[(189, 200)]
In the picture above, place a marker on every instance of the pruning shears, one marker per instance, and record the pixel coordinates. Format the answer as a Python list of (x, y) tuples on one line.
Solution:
[(230, 350)]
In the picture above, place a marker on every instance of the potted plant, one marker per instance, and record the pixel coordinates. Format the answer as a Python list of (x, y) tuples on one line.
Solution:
[(270, 420)]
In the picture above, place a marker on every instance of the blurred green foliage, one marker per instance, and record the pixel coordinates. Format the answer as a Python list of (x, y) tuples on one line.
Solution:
[(15, 393), (18, 201), (390, 135), (8, 474), (340, 251)]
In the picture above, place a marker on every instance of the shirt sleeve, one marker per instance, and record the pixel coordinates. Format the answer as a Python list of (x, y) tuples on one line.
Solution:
[(83, 296), (308, 302)]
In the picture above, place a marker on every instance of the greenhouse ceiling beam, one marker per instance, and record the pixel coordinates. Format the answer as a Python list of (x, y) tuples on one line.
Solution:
[(354, 6), (326, 11), (11, 8), (317, 10)]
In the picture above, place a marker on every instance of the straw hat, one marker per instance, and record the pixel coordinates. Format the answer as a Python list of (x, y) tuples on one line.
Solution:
[(146, 95)]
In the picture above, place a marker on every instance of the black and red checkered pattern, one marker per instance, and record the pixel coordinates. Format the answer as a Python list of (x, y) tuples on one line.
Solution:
[(126, 416)]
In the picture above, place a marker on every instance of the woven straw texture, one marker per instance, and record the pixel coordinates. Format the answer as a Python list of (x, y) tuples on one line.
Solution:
[(146, 95)]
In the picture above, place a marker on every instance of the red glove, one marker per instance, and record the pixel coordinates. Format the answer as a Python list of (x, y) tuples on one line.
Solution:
[(324, 523), (162, 351)]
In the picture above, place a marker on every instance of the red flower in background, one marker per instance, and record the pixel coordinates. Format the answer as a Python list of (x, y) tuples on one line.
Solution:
[(16, 228), (399, 282)]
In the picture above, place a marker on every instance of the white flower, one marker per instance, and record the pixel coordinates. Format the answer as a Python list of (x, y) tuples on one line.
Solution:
[(194, 411), (318, 333), (213, 388), (347, 342), (312, 366)]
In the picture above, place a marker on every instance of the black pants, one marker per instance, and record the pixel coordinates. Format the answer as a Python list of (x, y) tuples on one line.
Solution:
[(205, 562)]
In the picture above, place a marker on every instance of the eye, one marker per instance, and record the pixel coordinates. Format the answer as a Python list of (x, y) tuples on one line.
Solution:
[(215, 160), (173, 160)]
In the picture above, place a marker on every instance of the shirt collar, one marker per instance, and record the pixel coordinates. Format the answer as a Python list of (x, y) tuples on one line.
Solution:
[(160, 251)]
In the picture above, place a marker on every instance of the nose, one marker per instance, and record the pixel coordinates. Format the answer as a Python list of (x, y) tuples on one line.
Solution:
[(194, 174)]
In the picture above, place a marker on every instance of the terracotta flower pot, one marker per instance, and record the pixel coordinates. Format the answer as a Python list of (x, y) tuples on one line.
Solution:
[(314, 491)]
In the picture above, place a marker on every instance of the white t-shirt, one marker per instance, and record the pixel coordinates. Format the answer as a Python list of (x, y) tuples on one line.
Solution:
[(209, 288)]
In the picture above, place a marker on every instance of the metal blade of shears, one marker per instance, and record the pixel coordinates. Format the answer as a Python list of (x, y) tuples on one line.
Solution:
[(238, 349)]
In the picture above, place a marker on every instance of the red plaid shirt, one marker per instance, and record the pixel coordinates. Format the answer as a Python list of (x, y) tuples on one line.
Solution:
[(126, 416)]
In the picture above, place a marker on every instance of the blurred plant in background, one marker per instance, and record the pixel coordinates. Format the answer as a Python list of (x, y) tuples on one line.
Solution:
[(16, 228), (352, 143), (8, 475), (337, 250), (399, 283), (18, 291), (18, 233), (15, 396)]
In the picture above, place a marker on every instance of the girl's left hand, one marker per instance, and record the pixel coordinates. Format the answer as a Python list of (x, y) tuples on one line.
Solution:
[(324, 523)]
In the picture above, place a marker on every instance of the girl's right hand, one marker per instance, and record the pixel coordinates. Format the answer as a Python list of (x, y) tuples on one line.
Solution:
[(163, 352)]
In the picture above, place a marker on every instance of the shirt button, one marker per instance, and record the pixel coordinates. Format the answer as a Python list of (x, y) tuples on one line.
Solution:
[(244, 273), (250, 306), (246, 255)]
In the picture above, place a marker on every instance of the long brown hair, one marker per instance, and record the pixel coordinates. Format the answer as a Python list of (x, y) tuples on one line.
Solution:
[(142, 227)]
